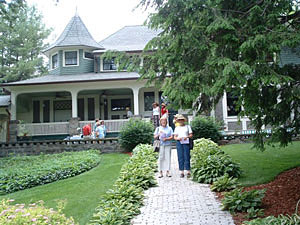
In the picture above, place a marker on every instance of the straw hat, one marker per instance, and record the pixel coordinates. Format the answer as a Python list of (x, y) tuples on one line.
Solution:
[(180, 117), (163, 104)]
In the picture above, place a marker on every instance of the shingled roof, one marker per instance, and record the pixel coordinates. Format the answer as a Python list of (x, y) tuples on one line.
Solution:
[(75, 34), (129, 38)]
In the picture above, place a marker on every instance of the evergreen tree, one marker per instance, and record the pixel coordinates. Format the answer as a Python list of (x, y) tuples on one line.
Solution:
[(21, 41), (212, 46)]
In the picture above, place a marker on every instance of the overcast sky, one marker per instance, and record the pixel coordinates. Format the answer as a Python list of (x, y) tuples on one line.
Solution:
[(101, 17)]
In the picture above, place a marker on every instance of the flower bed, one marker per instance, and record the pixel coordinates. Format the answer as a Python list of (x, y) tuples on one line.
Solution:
[(123, 201), (22, 172)]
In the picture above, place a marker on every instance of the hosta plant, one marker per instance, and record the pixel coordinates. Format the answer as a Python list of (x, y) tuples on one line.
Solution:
[(224, 183), (272, 220), (240, 201)]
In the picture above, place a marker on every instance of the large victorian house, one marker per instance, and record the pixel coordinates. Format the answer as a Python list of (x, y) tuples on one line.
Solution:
[(82, 86)]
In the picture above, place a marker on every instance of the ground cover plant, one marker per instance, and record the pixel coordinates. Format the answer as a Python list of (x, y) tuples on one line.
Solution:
[(123, 201), (34, 213), (135, 132), (22, 172), (80, 193), (224, 183), (209, 162)]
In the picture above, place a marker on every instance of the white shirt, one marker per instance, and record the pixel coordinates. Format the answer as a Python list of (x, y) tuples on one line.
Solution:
[(183, 131), (156, 111)]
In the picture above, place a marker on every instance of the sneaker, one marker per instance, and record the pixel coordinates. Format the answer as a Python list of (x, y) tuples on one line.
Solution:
[(182, 175), (188, 175)]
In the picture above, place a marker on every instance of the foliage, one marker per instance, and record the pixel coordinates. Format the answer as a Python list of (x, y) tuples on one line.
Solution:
[(217, 46), (224, 183), (206, 128), (240, 201), (21, 41), (262, 167), (209, 162), (135, 132), (254, 213), (78, 191), (272, 220), (22, 172), (35, 213), (123, 201)]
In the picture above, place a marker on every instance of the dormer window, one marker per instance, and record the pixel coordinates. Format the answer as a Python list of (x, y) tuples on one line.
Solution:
[(54, 61), (71, 58), (109, 64)]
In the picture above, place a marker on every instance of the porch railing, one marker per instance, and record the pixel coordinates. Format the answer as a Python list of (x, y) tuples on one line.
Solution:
[(111, 125), (36, 129)]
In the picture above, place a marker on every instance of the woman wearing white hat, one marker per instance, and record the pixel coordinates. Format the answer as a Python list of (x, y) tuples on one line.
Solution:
[(182, 135)]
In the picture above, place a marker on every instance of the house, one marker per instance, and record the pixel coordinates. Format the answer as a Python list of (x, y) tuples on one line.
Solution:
[(82, 85)]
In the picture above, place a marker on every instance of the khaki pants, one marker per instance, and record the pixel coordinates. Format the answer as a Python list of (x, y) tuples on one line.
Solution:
[(164, 158)]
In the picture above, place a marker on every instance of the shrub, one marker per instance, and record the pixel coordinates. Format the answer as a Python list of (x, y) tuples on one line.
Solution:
[(206, 127), (34, 214), (272, 220), (124, 200), (240, 201), (136, 132), (18, 173), (209, 162), (224, 183)]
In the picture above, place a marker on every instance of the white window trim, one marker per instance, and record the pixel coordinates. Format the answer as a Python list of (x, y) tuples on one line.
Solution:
[(64, 61), (56, 53), (84, 55)]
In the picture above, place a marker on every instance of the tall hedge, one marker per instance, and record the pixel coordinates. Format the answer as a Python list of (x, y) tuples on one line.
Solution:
[(206, 127), (135, 132)]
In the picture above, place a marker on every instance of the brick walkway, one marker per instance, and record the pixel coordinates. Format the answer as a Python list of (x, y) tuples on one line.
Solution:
[(180, 201)]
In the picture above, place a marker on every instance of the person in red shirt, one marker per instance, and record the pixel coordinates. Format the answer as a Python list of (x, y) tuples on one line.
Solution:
[(87, 130), (164, 110)]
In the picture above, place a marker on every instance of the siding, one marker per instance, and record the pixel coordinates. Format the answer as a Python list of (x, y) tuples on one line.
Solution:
[(290, 56)]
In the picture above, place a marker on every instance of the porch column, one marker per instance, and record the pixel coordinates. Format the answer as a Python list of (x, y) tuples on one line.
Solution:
[(74, 104), (136, 100), (13, 106)]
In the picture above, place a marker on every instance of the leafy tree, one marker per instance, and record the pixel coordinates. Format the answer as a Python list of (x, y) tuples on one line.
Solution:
[(21, 41), (212, 46)]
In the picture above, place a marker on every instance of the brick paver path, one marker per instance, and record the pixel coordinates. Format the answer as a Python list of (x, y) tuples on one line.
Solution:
[(180, 201)]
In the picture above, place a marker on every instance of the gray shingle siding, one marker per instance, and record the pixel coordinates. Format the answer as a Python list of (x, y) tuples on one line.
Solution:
[(290, 56)]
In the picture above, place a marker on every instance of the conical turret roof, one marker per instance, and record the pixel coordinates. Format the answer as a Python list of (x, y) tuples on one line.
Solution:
[(75, 34)]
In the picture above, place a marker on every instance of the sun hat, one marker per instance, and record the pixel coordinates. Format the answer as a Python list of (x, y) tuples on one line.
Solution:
[(163, 104), (180, 117)]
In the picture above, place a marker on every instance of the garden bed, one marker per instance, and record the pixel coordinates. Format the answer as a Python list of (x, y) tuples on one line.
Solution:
[(22, 172), (281, 196)]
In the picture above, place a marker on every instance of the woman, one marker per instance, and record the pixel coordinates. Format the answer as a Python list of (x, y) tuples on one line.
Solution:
[(165, 134), (155, 114), (182, 135), (164, 110), (103, 127)]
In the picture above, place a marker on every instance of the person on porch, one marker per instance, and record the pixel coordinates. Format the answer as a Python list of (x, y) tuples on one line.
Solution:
[(129, 113), (103, 127), (155, 114), (164, 110)]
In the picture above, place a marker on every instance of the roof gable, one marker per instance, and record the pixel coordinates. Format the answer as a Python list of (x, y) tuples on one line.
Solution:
[(75, 34)]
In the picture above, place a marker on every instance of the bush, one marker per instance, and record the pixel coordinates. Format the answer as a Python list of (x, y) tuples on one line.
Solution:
[(124, 200), (19, 173), (224, 183), (206, 127), (34, 214), (272, 220), (209, 162), (136, 132), (240, 201)]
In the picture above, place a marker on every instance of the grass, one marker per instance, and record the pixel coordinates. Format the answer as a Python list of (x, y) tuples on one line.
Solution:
[(81, 192), (262, 167)]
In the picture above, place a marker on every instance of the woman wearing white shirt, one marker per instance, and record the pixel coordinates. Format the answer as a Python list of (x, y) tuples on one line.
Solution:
[(155, 114), (182, 135)]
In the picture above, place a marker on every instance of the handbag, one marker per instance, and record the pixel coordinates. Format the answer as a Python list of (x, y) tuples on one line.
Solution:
[(156, 145), (191, 142)]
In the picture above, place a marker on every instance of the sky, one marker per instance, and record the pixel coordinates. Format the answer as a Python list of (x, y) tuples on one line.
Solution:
[(101, 17)]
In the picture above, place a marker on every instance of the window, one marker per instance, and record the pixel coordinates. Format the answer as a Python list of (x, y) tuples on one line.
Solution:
[(109, 64), (231, 105), (88, 55), (54, 61), (120, 104), (148, 101), (71, 58)]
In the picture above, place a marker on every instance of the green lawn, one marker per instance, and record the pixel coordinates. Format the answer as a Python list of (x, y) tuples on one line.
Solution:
[(262, 167), (81, 192)]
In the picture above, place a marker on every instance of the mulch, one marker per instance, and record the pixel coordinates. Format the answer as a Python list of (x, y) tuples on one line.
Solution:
[(281, 196)]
